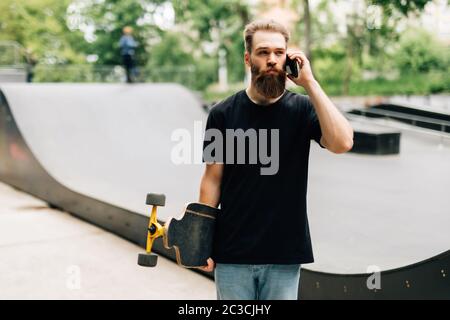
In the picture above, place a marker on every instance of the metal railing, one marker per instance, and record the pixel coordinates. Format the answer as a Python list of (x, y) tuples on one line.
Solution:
[(184, 75), (11, 53), (12, 60)]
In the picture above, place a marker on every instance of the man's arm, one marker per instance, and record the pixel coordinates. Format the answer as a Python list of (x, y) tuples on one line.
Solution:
[(337, 134), (210, 184), (210, 195)]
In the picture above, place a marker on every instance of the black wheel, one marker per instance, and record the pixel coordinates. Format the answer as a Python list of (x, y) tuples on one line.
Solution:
[(155, 199), (147, 260)]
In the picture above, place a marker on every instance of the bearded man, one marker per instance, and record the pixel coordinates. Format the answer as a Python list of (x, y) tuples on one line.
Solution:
[(262, 234)]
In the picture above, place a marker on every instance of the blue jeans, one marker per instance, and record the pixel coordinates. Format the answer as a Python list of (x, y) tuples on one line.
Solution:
[(257, 282)]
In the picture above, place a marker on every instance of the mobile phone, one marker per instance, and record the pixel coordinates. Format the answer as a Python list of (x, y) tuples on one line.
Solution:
[(291, 67)]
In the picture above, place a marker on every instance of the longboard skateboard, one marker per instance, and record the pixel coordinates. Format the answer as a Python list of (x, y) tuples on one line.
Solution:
[(191, 236)]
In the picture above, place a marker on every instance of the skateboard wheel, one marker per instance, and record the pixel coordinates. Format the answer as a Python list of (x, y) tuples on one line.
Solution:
[(147, 260), (154, 199)]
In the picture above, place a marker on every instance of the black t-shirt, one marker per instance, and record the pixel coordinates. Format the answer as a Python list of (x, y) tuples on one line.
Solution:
[(263, 217)]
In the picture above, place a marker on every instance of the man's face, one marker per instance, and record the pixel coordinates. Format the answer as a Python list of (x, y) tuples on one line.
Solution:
[(266, 62)]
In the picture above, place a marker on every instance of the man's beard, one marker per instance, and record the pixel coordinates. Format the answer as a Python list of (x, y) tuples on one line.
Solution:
[(269, 85)]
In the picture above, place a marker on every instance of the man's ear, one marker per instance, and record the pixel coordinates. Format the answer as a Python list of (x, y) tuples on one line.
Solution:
[(247, 58)]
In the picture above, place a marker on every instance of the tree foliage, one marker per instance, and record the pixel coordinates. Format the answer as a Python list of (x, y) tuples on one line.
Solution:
[(180, 40), (40, 26)]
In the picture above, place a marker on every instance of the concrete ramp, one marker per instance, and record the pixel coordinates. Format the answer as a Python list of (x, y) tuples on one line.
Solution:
[(95, 150), (110, 142)]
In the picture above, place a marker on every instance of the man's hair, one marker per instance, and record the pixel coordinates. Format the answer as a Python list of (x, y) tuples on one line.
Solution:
[(264, 25), (127, 30)]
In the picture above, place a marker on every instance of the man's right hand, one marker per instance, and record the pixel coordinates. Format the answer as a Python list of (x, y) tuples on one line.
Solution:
[(209, 267)]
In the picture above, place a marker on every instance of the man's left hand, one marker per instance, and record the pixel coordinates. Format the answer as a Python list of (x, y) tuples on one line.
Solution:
[(305, 74)]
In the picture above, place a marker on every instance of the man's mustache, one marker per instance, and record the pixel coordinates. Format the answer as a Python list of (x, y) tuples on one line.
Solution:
[(267, 71)]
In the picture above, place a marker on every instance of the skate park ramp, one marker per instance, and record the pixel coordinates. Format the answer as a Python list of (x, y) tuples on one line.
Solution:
[(95, 150), (388, 213), (69, 144), (109, 140)]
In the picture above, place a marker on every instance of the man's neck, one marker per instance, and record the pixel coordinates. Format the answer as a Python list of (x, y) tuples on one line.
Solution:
[(258, 98)]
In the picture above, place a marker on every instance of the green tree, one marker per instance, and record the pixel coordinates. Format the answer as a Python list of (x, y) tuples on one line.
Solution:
[(403, 6), (40, 26), (219, 25), (102, 23), (172, 60), (418, 51), (365, 39)]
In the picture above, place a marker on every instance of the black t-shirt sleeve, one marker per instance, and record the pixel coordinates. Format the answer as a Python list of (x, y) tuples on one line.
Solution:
[(214, 121), (312, 122)]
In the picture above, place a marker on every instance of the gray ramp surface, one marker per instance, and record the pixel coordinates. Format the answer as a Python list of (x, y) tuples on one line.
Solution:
[(111, 142), (387, 211)]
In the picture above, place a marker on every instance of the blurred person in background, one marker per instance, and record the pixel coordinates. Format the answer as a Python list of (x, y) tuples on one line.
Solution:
[(30, 63), (127, 46)]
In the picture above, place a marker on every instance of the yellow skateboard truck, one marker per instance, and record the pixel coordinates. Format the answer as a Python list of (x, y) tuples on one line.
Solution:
[(155, 230)]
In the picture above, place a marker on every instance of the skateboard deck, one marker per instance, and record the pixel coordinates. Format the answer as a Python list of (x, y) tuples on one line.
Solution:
[(192, 235)]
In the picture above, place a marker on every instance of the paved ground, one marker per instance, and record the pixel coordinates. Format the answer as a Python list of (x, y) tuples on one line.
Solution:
[(49, 254)]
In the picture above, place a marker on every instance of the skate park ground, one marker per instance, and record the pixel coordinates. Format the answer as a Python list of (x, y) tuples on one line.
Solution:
[(44, 250)]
